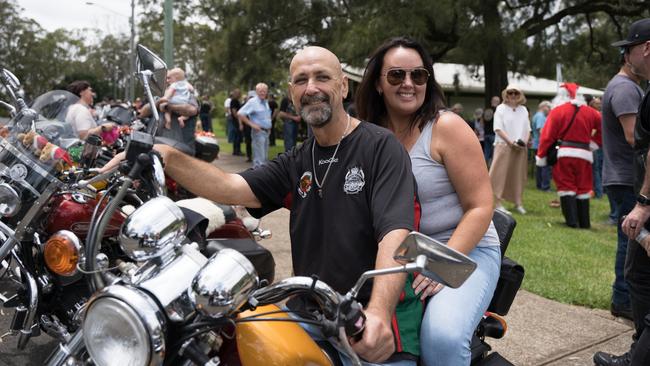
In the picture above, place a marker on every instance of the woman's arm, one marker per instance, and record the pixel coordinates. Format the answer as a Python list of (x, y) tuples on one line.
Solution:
[(454, 144)]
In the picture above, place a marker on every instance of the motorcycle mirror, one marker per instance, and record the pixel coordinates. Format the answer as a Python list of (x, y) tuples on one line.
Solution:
[(149, 61), (443, 264), (10, 80)]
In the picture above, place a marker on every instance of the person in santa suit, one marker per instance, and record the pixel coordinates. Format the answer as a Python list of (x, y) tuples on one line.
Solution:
[(579, 128)]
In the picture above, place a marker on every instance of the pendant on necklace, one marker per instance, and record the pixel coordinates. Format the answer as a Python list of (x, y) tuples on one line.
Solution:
[(320, 192)]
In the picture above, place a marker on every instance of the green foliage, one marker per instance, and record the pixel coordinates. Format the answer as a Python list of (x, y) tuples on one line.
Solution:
[(573, 266)]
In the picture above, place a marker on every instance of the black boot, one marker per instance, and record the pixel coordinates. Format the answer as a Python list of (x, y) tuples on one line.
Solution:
[(569, 210), (583, 213), (608, 359)]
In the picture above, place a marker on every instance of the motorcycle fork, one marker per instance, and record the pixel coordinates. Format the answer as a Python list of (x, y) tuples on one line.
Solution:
[(27, 303)]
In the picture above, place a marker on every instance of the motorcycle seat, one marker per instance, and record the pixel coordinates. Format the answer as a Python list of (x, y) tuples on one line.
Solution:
[(505, 226)]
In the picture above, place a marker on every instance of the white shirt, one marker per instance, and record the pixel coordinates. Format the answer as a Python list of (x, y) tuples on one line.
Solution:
[(226, 106), (514, 123), (80, 118)]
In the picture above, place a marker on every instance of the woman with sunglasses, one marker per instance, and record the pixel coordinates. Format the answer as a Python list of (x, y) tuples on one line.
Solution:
[(399, 92), (508, 168)]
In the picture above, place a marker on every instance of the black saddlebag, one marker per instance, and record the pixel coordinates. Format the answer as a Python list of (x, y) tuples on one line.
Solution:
[(261, 257), (512, 274)]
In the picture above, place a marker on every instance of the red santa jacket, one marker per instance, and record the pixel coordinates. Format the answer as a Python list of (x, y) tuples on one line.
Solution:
[(586, 129)]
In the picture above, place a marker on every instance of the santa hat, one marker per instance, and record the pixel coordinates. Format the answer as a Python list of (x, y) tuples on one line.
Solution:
[(572, 88)]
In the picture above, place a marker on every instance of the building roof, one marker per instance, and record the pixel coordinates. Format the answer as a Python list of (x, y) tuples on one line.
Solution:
[(472, 80)]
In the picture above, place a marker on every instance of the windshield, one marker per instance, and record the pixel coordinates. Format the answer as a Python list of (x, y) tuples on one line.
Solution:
[(36, 137)]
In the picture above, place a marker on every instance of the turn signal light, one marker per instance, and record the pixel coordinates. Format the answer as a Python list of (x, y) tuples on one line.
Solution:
[(61, 253)]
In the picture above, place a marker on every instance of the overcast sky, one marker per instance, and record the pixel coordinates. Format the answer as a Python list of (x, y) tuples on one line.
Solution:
[(109, 16)]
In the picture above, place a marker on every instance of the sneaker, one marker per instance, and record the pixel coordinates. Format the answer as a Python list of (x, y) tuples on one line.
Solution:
[(608, 359), (503, 209), (621, 311), (520, 209)]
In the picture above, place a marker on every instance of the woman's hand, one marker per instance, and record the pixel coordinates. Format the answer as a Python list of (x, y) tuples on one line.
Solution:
[(425, 287)]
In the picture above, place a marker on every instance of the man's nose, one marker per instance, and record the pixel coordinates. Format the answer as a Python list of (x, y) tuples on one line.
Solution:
[(311, 87)]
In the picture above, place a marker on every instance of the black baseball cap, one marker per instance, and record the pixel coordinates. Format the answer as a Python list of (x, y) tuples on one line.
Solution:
[(639, 32)]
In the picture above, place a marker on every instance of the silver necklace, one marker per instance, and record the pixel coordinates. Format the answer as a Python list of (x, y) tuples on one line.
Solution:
[(313, 160)]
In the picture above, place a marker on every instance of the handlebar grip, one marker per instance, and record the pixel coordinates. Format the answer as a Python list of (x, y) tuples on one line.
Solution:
[(355, 321), (143, 160)]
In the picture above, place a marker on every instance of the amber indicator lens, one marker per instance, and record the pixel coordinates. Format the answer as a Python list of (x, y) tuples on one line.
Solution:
[(61, 254)]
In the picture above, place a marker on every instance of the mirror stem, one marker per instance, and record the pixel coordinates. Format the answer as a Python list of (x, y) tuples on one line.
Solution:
[(153, 127), (407, 268)]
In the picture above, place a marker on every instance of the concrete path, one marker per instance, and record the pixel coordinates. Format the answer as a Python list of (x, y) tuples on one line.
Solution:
[(540, 331)]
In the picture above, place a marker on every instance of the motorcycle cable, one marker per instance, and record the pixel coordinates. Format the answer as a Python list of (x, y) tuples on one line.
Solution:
[(90, 267)]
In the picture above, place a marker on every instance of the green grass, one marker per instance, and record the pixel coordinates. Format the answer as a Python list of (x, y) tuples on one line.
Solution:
[(573, 266), (219, 129)]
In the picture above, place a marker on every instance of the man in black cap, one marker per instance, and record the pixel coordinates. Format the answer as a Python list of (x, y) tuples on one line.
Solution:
[(636, 48)]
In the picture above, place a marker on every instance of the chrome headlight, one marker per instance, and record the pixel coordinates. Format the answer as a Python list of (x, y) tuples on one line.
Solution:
[(154, 229), (223, 284), (9, 200), (124, 326)]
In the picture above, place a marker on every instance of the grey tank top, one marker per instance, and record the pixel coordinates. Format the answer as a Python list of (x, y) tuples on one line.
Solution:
[(441, 209)]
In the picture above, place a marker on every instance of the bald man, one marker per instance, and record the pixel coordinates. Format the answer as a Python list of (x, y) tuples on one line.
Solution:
[(349, 189), (256, 113)]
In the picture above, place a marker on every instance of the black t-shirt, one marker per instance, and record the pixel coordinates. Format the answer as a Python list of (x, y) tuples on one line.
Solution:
[(287, 106), (641, 140), (369, 191), (488, 124), (234, 104), (205, 107), (273, 105)]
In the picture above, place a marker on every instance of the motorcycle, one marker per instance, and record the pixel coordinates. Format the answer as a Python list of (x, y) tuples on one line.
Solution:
[(44, 213)]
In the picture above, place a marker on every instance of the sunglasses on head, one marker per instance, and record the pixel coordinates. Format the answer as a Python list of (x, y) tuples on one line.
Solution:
[(512, 92), (419, 76)]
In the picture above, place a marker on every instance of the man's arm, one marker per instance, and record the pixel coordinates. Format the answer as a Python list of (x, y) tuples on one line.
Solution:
[(378, 343), (214, 184), (635, 220), (244, 119), (627, 122)]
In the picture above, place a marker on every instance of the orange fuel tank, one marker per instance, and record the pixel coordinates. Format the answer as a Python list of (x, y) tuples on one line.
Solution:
[(276, 343)]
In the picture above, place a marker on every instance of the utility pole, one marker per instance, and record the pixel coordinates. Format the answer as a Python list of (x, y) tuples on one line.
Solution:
[(169, 33), (131, 77)]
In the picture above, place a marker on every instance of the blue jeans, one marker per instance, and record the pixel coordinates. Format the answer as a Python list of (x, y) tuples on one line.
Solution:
[(260, 145), (488, 147), (543, 177), (452, 315), (624, 199), (290, 129), (597, 173)]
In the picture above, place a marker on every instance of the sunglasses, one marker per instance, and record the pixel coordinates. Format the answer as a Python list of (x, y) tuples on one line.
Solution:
[(419, 76), (512, 92)]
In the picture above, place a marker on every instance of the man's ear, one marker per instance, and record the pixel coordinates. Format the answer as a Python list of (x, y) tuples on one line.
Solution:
[(344, 86), (291, 93)]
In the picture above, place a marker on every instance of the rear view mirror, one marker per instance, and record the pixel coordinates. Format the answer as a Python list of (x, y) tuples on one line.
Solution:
[(10, 80), (443, 264), (149, 61)]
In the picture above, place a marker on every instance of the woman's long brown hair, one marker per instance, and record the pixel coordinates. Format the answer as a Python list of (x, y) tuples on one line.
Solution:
[(370, 104)]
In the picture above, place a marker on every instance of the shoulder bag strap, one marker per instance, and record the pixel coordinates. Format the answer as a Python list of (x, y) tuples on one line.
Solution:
[(577, 108)]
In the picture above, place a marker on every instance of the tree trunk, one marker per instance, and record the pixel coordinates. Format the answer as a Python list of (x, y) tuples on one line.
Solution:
[(495, 59)]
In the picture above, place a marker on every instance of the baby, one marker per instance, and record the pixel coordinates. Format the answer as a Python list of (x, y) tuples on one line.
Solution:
[(179, 91)]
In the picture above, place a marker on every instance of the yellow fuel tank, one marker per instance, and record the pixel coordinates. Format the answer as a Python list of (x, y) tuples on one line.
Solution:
[(276, 343)]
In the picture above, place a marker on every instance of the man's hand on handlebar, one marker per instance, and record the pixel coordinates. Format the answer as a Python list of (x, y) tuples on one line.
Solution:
[(377, 344)]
